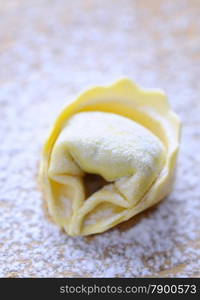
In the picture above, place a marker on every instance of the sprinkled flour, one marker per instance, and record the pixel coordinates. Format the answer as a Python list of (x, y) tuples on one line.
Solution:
[(50, 51)]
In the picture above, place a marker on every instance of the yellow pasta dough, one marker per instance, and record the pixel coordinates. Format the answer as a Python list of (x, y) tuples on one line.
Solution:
[(110, 155)]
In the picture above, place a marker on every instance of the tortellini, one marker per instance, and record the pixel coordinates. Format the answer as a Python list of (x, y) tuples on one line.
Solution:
[(110, 155)]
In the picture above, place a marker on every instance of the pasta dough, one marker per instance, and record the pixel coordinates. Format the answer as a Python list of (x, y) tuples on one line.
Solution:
[(110, 155)]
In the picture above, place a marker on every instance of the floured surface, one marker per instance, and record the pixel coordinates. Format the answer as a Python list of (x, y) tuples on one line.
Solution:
[(50, 51)]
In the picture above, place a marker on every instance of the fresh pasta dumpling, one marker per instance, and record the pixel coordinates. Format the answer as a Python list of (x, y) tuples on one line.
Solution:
[(110, 155)]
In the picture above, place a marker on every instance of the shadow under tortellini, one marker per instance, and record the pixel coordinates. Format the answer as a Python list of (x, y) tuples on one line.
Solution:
[(127, 225), (124, 226)]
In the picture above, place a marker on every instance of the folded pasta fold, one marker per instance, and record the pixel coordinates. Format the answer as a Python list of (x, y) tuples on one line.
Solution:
[(111, 154)]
